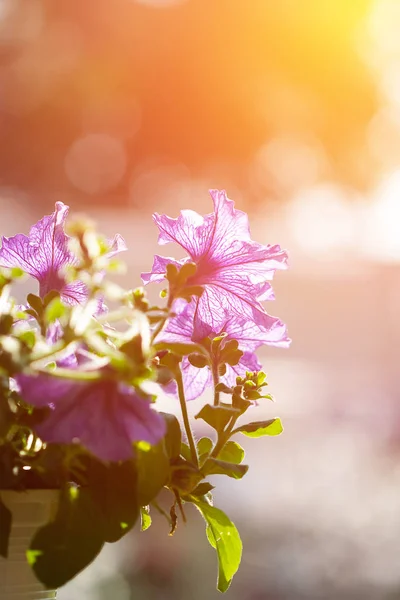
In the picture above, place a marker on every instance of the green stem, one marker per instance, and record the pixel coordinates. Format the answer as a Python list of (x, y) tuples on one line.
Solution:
[(58, 347), (161, 511), (72, 374), (159, 328), (215, 376), (189, 434), (223, 437), (162, 322)]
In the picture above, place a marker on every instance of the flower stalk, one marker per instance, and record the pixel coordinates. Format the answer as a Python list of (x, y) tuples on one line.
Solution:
[(186, 422)]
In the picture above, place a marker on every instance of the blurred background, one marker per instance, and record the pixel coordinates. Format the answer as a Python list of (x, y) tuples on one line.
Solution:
[(119, 108)]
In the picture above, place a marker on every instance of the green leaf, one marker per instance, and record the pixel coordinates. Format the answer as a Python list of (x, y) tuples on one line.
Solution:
[(202, 489), (135, 349), (232, 452), (28, 337), (260, 428), (222, 387), (185, 452), (179, 348), (213, 466), (185, 477), (185, 272), (145, 517), (210, 537), (173, 437), (233, 357), (36, 303), (55, 309), (50, 296), (217, 416), (5, 528), (261, 378), (153, 472), (6, 323), (66, 545), (188, 291), (204, 446), (113, 487), (257, 395), (172, 273), (224, 537), (198, 360)]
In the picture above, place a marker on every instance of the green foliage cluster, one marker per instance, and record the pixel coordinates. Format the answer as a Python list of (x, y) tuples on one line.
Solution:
[(102, 501)]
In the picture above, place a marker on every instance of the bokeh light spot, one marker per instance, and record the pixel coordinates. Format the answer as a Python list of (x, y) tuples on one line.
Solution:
[(289, 163), (321, 220), (382, 232), (21, 21), (158, 183), (96, 163)]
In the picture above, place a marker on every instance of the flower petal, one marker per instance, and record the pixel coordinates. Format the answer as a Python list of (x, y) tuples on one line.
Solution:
[(104, 416), (43, 253), (117, 245), (195, 381), (75, 292), (159, 269)]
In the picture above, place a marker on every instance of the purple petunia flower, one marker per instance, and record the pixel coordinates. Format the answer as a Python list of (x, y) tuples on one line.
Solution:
[(250, 336), (45, 252), (105, 416), (234, 270)]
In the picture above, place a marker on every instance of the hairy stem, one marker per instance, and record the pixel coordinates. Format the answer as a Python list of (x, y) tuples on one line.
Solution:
[(189, 434)]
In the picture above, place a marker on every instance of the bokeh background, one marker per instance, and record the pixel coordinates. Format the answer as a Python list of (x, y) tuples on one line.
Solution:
[(122, 107)]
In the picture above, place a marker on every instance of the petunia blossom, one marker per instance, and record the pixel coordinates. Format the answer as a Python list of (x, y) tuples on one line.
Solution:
[(105, 416), (44, 254), (249, 335), (233, 270)]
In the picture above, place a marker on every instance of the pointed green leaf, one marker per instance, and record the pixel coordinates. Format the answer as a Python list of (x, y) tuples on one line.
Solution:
[(224, 537), (185, 477), (202, 489), (204, 446), (185, 452), (260, 428), (217, 416), (173, 437), (50, 296), (232, 452), (212, 466), (113, 487), (66, 545), (35, 302), (153, 472), (54, 310)]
